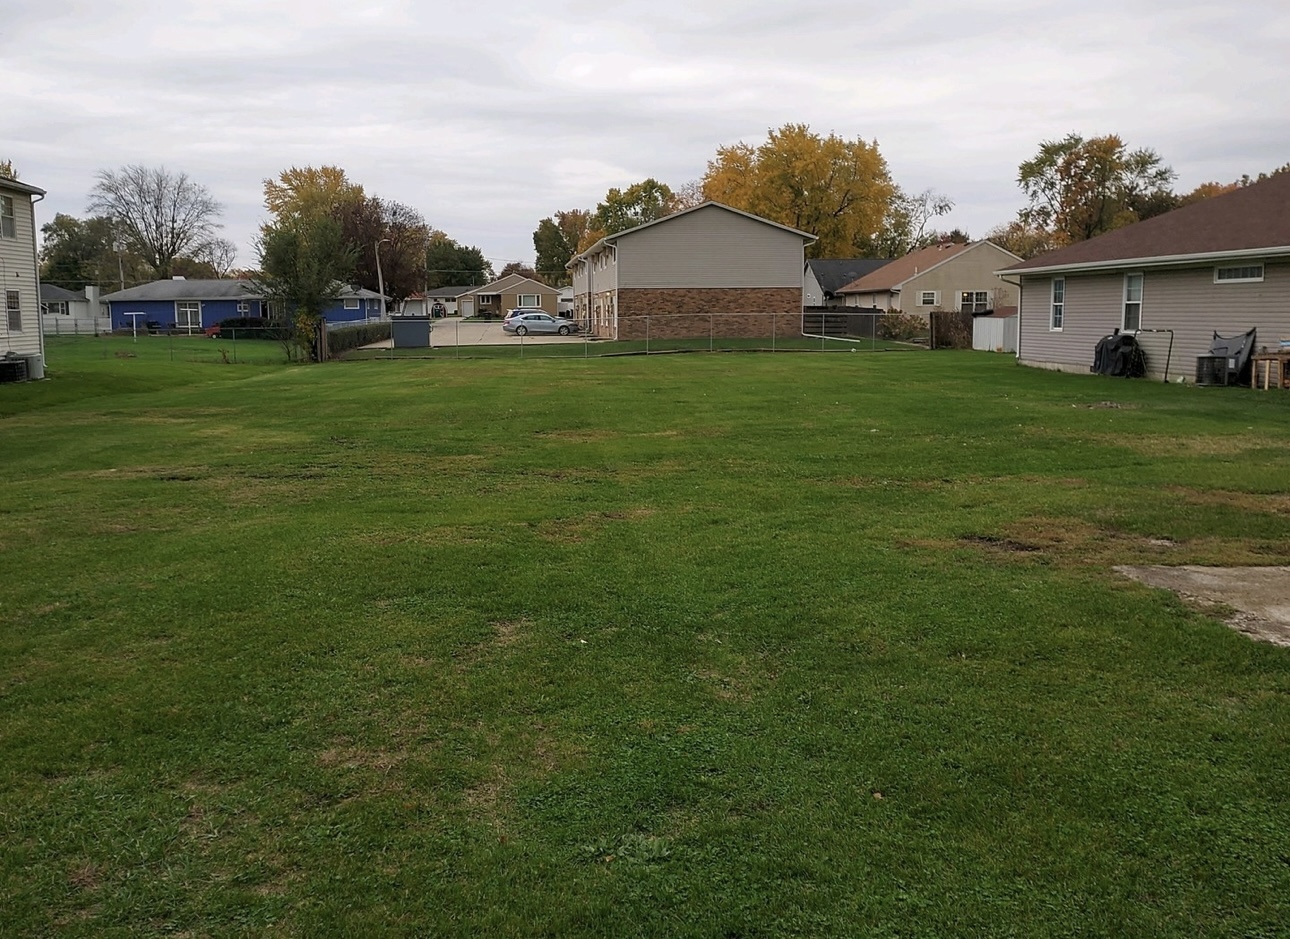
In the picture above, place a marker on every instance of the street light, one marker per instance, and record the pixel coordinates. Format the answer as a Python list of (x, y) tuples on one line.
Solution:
[(380, 280)]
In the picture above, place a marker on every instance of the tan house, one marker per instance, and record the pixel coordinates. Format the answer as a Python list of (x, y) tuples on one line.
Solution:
[(20, 331), (941, 277), (1220, 265), (511, 291), (706, 268)]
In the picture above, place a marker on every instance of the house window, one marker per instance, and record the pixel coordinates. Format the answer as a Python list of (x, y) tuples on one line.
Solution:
[(243, 308), (1057, 316), (485, 299), (530, 299), (8, 227), (351, 303), (929, 298), (974, 301), (1132, 303), (54, 308), (13, 307), (188, 314), (1243, 274)]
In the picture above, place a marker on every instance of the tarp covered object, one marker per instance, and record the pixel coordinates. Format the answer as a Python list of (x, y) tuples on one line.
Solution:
[(1119, 354)]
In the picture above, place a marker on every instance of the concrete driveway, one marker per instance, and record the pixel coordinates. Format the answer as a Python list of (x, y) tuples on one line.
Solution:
[(453, 331)]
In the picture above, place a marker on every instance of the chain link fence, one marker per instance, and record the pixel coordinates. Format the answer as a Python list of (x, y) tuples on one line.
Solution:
[(831, 330)]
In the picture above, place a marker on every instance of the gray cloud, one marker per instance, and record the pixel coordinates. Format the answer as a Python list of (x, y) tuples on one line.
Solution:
[(490, 117)]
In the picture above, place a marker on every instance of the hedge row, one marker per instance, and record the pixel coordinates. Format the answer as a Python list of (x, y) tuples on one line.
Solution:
[(344, 338)]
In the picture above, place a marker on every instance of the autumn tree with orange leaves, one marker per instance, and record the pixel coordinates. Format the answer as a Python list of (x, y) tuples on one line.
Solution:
[(836, 189)]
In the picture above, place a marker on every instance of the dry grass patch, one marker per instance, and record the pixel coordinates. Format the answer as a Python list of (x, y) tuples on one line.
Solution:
[(1167, 446), (578, 529), (1271, 503)]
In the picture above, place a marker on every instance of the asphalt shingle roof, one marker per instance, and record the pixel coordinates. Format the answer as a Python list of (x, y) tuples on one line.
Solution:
[(187, 290), (833, 274), (895, 273), (54, 292), (1247, 219)]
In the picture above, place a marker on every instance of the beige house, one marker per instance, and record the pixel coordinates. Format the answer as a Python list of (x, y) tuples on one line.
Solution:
[(946, 276), (511, 291), (707, 268), (1220, 265), (20, 331)]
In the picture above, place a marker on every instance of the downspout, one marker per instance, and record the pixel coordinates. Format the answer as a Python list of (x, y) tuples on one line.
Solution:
[(613, 296), (1020, 289), (35, 257)]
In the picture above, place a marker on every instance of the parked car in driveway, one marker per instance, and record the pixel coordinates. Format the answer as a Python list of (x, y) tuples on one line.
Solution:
[(523, 322)]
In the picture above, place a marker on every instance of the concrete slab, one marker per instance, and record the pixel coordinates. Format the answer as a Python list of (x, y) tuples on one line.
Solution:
[(1260, 596), (455, 332)]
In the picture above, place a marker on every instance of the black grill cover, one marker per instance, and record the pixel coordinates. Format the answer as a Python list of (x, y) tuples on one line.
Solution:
[(1120, 355)]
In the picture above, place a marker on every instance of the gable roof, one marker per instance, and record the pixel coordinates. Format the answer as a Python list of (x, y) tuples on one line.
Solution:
[(186, 290), (509, 282), (446, 293), (50, 292), (710, 204), (890, 276), (350, 291), (1251, 221), (832, 274)]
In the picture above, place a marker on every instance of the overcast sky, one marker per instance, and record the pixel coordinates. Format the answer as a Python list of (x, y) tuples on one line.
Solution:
[(489, 115)]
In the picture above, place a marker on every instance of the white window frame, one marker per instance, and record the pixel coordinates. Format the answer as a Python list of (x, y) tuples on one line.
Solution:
[(1243, 274), (187, 308), (13, 310), (530, 300), (353, 303), (964, 303), (8, 218), (1057, 305), (1124, 311), (243, 308), (486, 299), (55, 308), (924, 294)]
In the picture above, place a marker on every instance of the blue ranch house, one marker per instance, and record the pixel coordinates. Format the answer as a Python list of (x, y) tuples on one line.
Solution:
[(195, 305)]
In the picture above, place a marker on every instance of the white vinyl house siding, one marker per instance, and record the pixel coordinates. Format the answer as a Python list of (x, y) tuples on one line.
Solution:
[(709, 248), (1184, 300), (18, 265)]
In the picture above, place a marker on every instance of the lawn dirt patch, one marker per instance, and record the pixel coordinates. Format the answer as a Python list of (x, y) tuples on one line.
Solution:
[(1258, 596)]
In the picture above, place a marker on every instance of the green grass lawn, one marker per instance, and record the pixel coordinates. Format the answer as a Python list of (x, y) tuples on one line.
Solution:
[(713, 646)]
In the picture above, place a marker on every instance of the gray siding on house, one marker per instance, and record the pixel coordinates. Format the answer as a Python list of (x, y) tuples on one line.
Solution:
[(812, 292), (1184, 300), (711, 247), (18, 266), (602, 278)]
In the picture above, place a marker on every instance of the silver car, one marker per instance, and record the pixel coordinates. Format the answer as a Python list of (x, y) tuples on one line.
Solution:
[(521, 323)]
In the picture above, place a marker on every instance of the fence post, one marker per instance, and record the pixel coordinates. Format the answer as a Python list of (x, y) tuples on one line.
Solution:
[(647, 335), (711, 327), (774, 319)]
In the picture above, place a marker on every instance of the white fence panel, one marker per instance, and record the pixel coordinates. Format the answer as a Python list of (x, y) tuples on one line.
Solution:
[(994, 334)]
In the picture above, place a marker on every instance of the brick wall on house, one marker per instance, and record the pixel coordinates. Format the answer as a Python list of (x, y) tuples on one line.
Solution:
[(730, 312)]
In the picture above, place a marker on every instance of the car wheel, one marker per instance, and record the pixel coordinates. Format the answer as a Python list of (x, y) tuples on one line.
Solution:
[(564, 330), (521, 330)]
